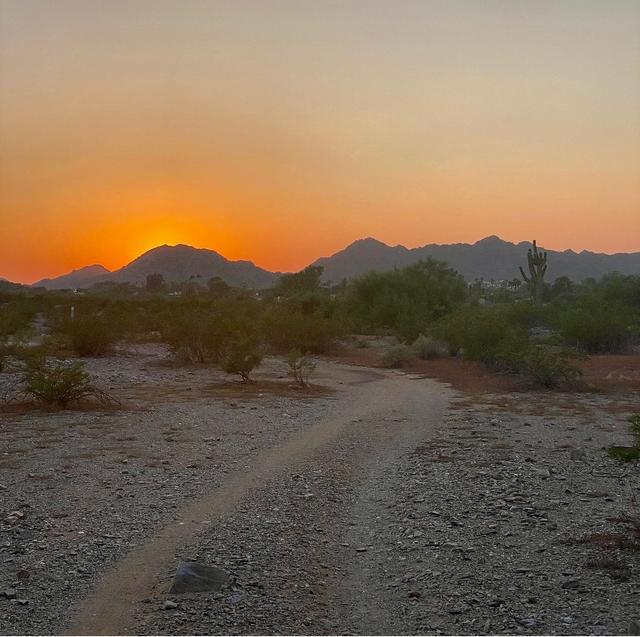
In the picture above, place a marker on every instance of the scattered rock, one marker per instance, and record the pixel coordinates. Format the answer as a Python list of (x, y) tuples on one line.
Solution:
[(193, 577)]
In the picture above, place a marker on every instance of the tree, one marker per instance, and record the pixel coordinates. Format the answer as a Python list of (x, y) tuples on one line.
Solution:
[(562, 287), (405, 300), (218, 287), (303, 282), (244, 356), (537, 262), (155, 283)]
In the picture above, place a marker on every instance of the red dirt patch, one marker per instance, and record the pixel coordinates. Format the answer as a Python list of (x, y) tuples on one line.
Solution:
[(611, 374)]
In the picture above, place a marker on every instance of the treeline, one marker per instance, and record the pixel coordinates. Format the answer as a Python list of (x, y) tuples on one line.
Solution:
[(428, 306)]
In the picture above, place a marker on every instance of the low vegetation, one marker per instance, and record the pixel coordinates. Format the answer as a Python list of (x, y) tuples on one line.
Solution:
[(627, 454), (301, 366), (535, 329), (58, 383)]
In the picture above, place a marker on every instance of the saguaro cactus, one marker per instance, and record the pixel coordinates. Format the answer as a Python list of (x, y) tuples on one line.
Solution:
[(537, 261)]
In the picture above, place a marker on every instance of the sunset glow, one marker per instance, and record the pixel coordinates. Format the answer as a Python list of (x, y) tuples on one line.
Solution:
[(282, 131)]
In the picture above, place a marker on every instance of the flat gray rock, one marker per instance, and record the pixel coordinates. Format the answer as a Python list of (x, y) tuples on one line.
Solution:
[(193, 577)]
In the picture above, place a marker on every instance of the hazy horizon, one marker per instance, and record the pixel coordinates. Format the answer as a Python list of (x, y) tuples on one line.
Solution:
[(312, 260), (281, 131)]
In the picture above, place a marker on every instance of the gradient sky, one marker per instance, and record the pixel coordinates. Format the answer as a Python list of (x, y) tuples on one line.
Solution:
[(280, 131)]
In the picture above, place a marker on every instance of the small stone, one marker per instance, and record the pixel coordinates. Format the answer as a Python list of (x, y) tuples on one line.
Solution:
[(193, 577), (169, 604), (529, 622), (10, 593)]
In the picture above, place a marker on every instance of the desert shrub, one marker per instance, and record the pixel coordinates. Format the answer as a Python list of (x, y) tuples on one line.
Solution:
[(627, 454), (91, 336), (59, 383), (244, 356), (483, 334), (405, 300), (549, 368), (197, 336), (397, 356), (301, 367), (16, 315), (427, 348), (596, 327), (5, 352), (286, 327)]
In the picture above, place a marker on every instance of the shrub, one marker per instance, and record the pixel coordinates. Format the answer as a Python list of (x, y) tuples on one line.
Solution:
[(549, 368), (5, 352), (397, 356), (59, 383), (627, 454), (596, 327), (300, 367), (287, 327), (91, 336), (483, 334), (427, 348), (406, 300), (244, 356), (197, 337)]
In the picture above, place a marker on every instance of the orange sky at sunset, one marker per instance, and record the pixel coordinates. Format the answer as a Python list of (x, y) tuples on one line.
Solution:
[(279, 131)]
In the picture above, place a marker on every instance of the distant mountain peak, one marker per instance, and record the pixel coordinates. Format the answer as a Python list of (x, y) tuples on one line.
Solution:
[(368, 241), (176, 264), (491, 239)]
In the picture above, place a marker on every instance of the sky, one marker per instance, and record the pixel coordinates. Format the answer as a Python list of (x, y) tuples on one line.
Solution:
[(281, 130)]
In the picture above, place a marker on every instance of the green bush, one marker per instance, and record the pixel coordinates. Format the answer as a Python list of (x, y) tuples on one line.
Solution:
[(16, 316), (197, 336), (287, 327), (301, 367), (244, 356), (549, 368), (427, 348), (397, 356), (406, 300), (483, 334), (596, 328), (59, 382), (91, 336), (627, 454)]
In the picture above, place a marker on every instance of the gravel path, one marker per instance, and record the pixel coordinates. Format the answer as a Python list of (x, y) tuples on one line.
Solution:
[(390, 506)]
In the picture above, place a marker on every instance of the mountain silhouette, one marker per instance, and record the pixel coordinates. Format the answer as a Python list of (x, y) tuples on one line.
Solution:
[(489, 258), (176, 264)]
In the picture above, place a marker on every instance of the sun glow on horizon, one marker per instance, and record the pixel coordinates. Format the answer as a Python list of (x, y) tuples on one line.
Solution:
[(280, 133)]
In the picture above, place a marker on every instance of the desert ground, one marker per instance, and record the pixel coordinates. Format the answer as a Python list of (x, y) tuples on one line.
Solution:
[(431, 500)]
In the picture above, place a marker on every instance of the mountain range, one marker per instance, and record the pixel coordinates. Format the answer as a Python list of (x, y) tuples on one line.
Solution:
[(176, 264), (489, 258)]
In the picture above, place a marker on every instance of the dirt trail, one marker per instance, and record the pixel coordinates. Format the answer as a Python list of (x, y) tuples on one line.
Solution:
[(366, 399)]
